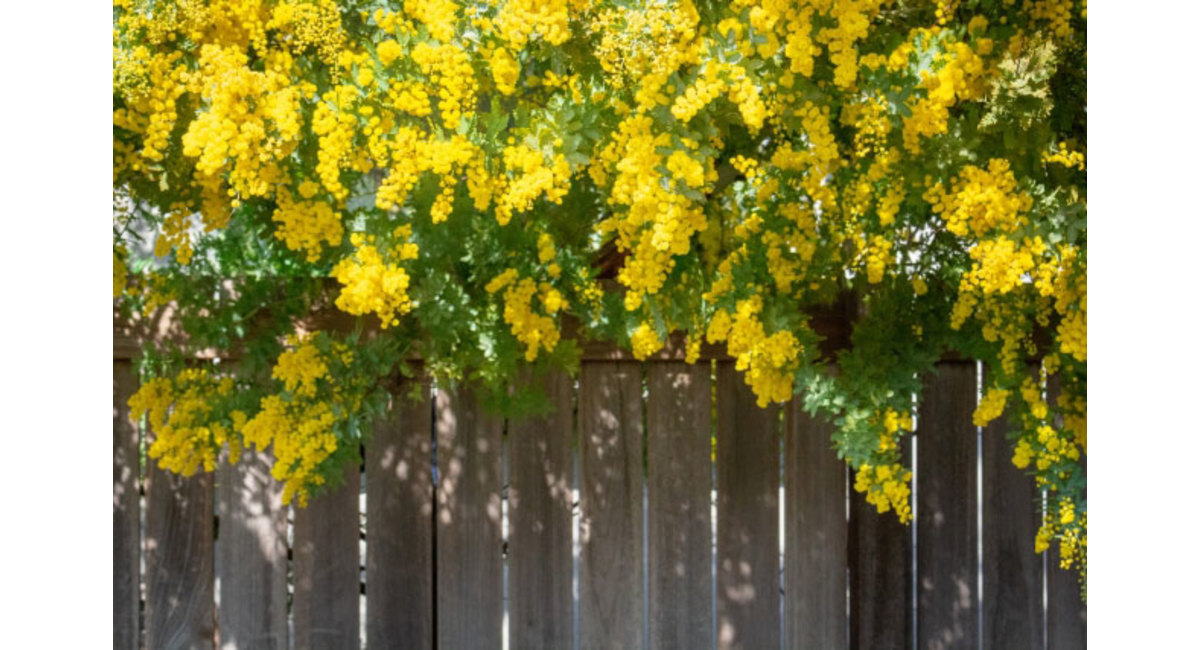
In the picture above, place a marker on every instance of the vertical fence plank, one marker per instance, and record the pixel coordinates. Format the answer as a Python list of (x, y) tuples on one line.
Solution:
[(816, 537), (126, 525), (326, 571), (1066, 613), (400, 525), (947, 525), (252, 562), (539, 511), (1012, 572), (179, 560), (747, 516), (469, 553), (880, 550), (680, 521), (611, 598)]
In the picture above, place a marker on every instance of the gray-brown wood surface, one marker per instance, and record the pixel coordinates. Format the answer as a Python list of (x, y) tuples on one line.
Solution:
[(611, 595), (947, 523), (747, 516), (400, 525), (179, 560), (815, 535), (1013, 616), (679, 423), (252, 556), (325, 553), (469, 552), (126, 524), (539, 511)]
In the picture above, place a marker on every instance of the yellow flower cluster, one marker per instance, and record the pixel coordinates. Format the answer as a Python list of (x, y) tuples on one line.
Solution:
[(961, 77), (645, 40), (316, 25), (305, 224), (536, 331), (877, 258), (981, 201), (188, 433), (770, 362), (505, 71), (120, 271), (300, 434), (886, 488), (531, 175), (645, 341), (990, 407), (1064, 156), (298, 423), (251, 122), (520, 21), (657, 223), (372, 284), (449, 70)]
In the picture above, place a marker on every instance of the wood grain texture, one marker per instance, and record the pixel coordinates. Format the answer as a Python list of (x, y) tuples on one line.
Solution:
[(252, 556), (326, 569), (1013, 616), (747, 516), (179, 560), (1066, 612), (611, 595), (469, 543), (679, 419), (816, 535), (880, 551), (400, 525), (539, 514), (947, 524), (126, 517)]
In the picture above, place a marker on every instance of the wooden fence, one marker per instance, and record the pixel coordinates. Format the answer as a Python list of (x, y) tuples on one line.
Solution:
[(611, 523)]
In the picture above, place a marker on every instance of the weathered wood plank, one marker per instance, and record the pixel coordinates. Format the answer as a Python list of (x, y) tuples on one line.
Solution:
[(679, 419), (539, 514), (252, 556), (611, 597), (469, 544), (947, 524), (747, 516), (179, 560), (1066, 612), (126, 524), (400, 525), (816, 537), (325, 568), (1013, 616), (880, 551)]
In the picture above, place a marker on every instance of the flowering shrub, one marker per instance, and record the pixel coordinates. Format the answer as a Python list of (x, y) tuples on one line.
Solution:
[(468, 172)]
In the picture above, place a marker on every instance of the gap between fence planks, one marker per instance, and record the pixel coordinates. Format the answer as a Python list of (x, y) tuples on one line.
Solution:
[(611, 595), (400, 524), (469, 552), (679, 416), (747, 517), (325, 603), (539, 516)]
